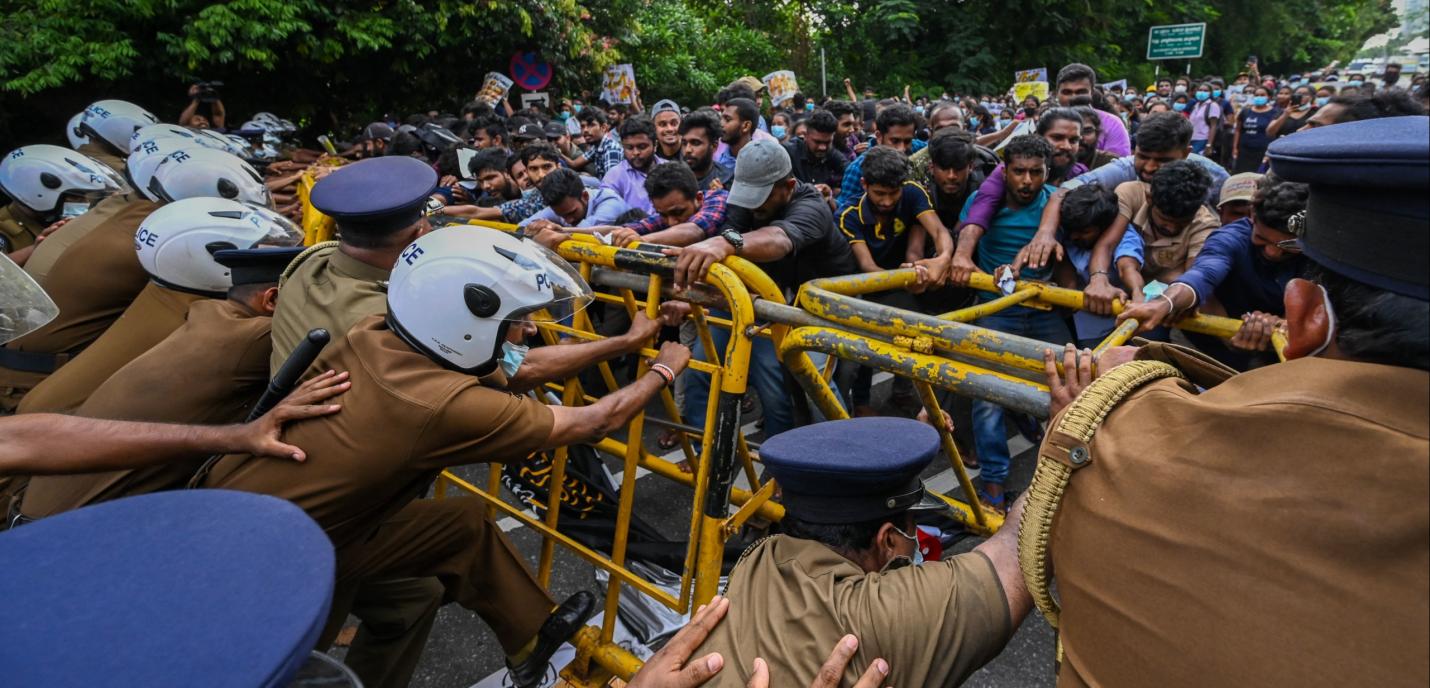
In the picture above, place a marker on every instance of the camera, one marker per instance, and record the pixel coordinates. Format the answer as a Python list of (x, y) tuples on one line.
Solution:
[(208, 91)]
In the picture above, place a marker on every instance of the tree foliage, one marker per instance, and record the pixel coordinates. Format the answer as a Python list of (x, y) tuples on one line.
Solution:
[(339, 63)]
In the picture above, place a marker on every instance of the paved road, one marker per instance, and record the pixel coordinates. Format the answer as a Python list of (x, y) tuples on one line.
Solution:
[(462, 650)]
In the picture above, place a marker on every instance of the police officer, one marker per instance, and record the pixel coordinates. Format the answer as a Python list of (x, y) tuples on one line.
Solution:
[(209, 371), (47, 183), (1270, 530), (849, 563), (174, 248), (108, 125), (97, 276), (431, 379)]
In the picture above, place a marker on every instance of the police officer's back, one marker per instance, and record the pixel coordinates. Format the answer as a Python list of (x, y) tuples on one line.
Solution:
[(849, 564)]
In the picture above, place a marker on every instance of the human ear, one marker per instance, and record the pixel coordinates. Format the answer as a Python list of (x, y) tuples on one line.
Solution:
[(1308, 321)]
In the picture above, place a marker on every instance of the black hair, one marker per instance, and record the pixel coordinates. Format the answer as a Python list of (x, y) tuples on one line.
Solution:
[(1029, 146), (561, 184), (447, 161), (745, 108), (416, 120), (1276, 200), (822, 121), (1089, 205), (671, 176), (798, 101), (845, 538), (1375, 325), (885, 166), (405, 143), (1164, 131), (489, 159), (1388, 103), (1058, 114), (493, 127), (897, 115), (590, 114), (1076, 72), (477, 109), (619, 108), (631, 215), (1179, 188), (540, 149), (1089, 115), (840, 108), (704, 118), (636, 125), (733, 91), (244, 292), (952, 149)]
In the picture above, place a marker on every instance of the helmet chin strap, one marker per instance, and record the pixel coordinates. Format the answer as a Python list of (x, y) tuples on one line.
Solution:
[(1330, 323)]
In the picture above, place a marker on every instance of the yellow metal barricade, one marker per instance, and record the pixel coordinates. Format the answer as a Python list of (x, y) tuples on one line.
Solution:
[(931, 350)]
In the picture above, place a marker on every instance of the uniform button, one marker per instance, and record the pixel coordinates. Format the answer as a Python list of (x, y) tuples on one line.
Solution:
[(1078, 455)]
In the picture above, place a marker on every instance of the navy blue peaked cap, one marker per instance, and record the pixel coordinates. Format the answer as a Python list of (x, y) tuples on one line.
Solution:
[(1368, 217), (851, 471), (377, 195)]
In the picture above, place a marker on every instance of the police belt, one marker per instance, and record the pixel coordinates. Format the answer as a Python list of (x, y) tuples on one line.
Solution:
[(32, 361)]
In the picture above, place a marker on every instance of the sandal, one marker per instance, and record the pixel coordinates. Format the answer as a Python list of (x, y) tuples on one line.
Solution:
[(997, 504), (668, 439)]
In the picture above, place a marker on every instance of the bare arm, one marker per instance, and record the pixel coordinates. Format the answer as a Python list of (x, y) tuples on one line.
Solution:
[(1002, 551), (549, 363), (1275, 127), (764, 245), (1131, 273), (46, 443), (190, 110), (584, 424), (217, 115), (473, 212), (849, 89), (996, 137)]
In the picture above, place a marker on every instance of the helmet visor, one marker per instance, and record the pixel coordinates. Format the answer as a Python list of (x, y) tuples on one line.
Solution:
[(24, 306), (569, 292), (281, 230)]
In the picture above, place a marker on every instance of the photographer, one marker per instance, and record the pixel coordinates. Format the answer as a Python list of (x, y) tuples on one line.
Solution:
[(205, 92)]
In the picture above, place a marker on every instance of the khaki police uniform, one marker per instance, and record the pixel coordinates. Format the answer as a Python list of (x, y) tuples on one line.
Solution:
[(405, 420), (153, 315), (16, 230), (325, 288), (103, 153), (209, 371), (791, 600), (44, 257), (1290, 525), (92, 283)]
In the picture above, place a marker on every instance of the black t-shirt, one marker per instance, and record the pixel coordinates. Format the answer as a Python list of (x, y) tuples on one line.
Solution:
[(950, 205), (820, 250), (829, 171)]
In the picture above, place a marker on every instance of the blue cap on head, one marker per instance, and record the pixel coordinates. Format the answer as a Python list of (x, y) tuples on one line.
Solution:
[(851, 471), (1368, 216), (377, 195)]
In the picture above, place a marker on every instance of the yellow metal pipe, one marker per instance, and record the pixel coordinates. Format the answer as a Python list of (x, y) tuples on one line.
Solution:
[(977, 311), (950, 449)]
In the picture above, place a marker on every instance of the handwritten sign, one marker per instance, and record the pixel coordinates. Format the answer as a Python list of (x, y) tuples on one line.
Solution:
[(618, 84), (782, 86)]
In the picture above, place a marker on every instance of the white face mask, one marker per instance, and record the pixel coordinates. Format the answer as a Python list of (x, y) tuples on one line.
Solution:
[(1330, 323), (74, 210), (511, 357), (918, 557)]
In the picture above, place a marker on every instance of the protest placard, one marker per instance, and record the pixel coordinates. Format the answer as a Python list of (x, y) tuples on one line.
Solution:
[(618, 84), (782, 86), (494, 88)]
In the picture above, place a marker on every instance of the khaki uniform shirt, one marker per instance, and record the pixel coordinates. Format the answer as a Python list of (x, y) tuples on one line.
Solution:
[(1165, 258), (330, 289), (43, 259), (210, 371), (1270, 531), (154, 315), (791, 600), (16, 232), (101, 153), (405, 419)]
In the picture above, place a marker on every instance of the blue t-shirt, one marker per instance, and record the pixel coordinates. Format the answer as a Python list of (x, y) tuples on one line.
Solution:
[(1009, 232), (888, 241), (1232, 269)]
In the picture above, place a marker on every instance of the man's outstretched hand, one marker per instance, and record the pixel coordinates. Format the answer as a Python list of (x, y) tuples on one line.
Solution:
[(261, 437)]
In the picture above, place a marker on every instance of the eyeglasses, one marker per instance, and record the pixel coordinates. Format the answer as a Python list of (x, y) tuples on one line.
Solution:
[(1290, 245)]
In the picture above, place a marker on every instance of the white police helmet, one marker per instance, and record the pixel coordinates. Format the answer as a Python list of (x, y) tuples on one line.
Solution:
[(76, 137), (114, 121), (244, 147), (204, 172), (198, 137), (176, 243), (455, 291), (40, 176)]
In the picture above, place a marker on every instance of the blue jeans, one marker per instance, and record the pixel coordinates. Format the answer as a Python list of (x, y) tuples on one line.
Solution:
[(766, 378), (989, 432), (1199, 145)]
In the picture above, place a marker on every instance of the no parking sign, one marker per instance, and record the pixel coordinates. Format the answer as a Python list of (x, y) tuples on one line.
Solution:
[(529, 71)]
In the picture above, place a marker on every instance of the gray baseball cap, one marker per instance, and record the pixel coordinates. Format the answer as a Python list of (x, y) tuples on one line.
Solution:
[(664, 106), (760, 164)]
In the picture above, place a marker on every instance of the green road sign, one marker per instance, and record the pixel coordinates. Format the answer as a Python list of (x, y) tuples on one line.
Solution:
[(1176, 41)]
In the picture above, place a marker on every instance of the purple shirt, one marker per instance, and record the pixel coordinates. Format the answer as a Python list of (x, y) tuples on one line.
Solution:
[(1114, 135), (990, 196), (629, 183)]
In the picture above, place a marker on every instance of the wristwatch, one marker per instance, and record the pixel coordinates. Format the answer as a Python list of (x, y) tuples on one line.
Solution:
[(735, 238)]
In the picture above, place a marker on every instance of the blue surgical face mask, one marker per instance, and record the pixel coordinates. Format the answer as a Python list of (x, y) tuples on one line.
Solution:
[(1321, 102), (809, 107), (972, 122), (1131, 97), (1203, 95), (576, 107), (1355, 82), (919, 109), (511, 357), (1258, 101), (918, 557), (1179, 107), (74, 210), (778, 130), (1216, 93)]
